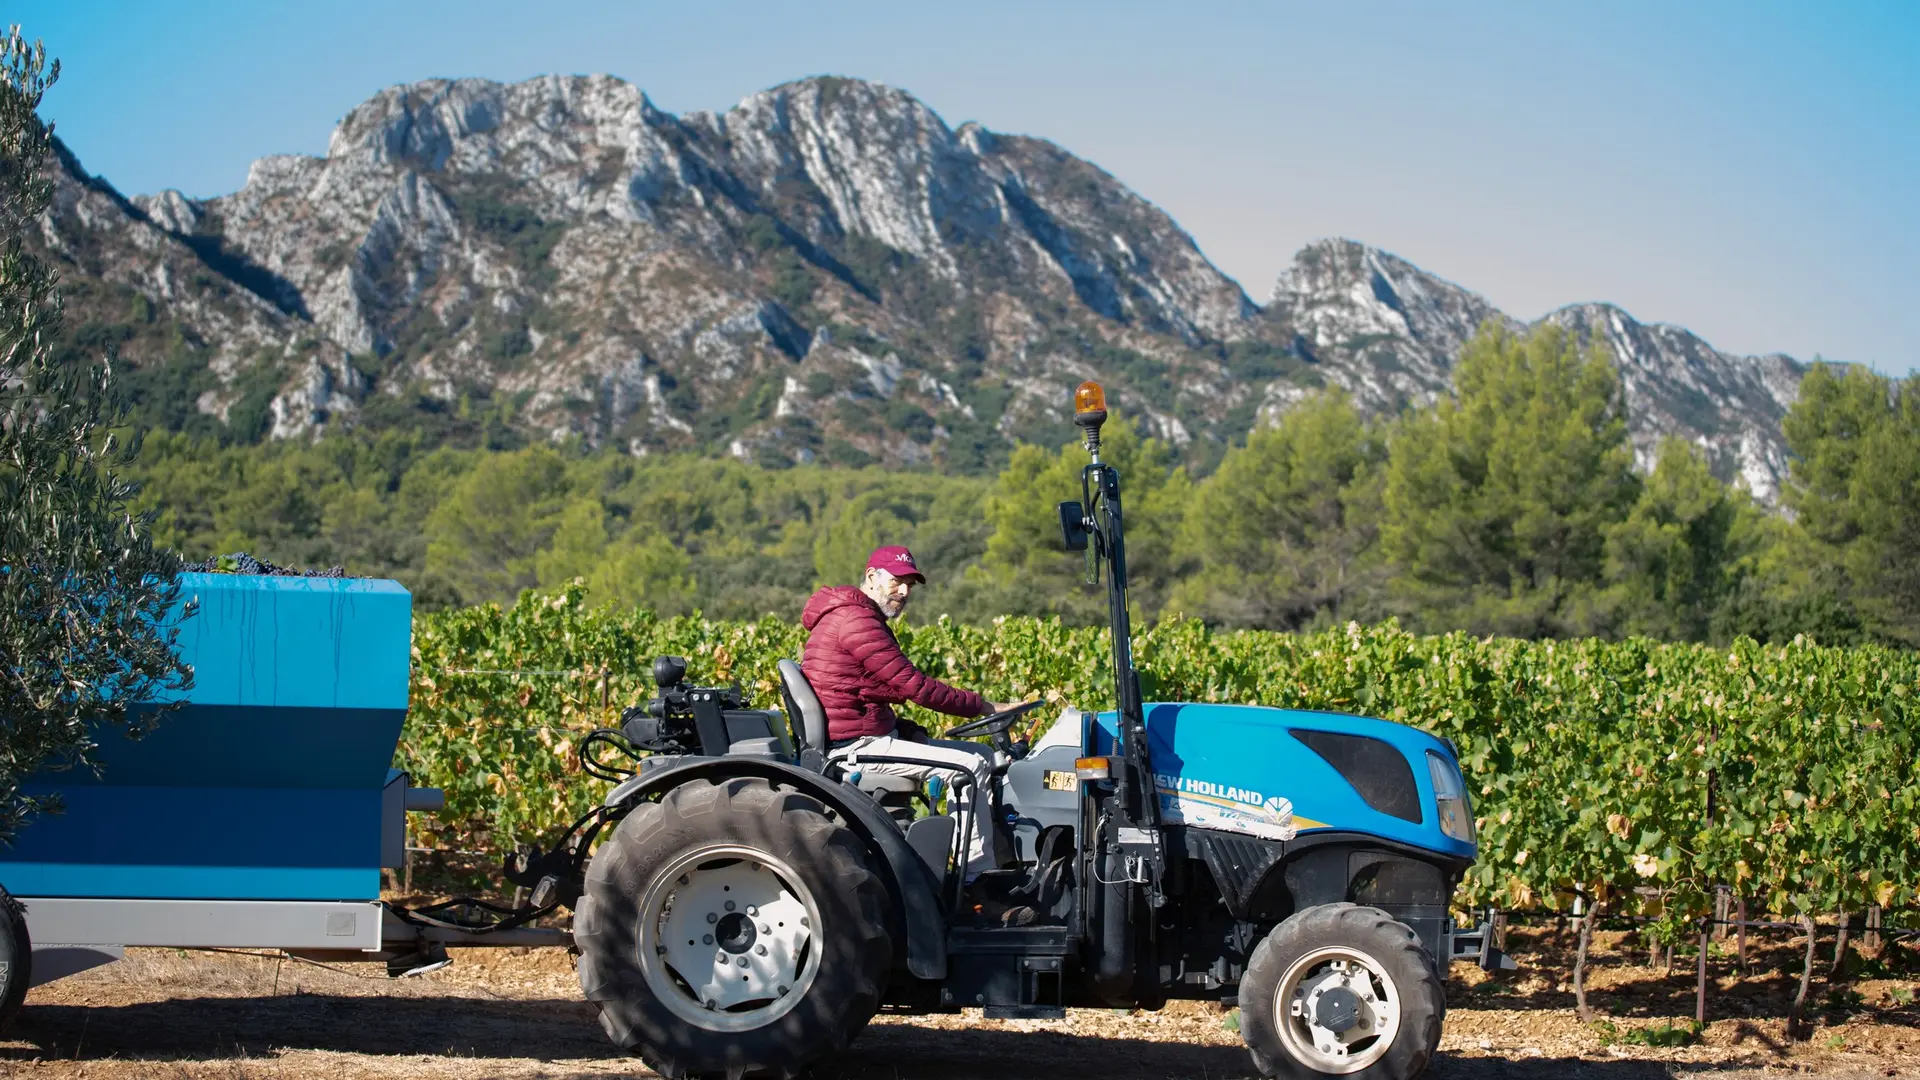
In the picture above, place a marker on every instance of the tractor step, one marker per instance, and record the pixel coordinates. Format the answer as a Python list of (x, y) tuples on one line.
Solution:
[(1008, 982), (1020, 940), (1024, 1012)]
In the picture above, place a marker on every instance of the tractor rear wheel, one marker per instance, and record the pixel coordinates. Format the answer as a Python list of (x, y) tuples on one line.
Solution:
[(16, 959), (1342, 990), (733, 928)]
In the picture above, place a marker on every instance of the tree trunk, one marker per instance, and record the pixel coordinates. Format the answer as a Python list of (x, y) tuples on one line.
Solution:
[(1797, 1027), (1742, 935), (1580, 966), (1700, 985), (1839, 969)]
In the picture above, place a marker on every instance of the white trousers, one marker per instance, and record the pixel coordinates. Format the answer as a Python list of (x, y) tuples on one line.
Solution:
[(951, 758)]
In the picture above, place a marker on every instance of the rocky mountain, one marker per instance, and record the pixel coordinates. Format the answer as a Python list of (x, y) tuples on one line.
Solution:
[(1389, 332), (826, 270)]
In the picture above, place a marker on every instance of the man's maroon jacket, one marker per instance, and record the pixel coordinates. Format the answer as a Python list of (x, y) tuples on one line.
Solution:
[(857, 669)]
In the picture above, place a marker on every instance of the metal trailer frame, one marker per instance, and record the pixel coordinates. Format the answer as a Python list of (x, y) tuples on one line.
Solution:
[(72, 934)]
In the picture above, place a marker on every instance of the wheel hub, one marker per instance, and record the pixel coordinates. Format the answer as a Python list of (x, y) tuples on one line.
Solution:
[(733, 939), (1337, 1010), (734, 932)]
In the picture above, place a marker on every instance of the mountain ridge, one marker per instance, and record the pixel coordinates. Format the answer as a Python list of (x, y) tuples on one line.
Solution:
[(826, 270)]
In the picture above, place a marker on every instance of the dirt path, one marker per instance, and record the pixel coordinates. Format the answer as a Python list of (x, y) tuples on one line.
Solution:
[(175, 1016)]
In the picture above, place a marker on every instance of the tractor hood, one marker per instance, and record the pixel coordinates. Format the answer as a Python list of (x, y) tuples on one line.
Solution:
[(1278, 773)]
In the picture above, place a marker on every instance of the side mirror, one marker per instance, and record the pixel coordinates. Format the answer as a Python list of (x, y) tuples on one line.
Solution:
[(1073, 526)]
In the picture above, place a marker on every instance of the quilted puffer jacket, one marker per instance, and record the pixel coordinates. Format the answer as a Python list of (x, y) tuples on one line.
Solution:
[(857, 669)]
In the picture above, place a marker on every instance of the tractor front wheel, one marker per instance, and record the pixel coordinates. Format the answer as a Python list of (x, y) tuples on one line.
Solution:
[(733, 928), (1342, 990)]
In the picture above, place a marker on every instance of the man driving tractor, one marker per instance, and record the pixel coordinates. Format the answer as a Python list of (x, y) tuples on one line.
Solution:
[(857, 669)]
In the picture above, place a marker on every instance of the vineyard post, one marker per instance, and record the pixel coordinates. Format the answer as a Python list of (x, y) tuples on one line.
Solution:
[(1797, 1028), (1871, 940)]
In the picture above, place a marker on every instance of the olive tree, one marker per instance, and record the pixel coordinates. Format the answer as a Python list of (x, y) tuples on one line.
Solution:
[(89, 607)]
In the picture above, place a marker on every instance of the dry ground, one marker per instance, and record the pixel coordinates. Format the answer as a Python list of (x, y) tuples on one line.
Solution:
[(512, 1013)]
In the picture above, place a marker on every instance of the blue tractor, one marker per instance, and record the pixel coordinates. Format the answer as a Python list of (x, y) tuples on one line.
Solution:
[(744, 905)]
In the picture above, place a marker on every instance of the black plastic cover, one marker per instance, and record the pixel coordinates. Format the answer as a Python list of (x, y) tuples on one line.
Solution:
[(1376, 770)]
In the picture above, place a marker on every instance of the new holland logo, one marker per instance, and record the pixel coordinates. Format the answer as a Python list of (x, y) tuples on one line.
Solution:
[(1195, 801)]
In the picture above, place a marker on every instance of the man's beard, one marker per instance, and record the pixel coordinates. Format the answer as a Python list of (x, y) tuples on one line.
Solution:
[(893, 608)]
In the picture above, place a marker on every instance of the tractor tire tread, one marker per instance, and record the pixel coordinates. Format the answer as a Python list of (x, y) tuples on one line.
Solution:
[(608, 931), (1388, 940), (16, 949)]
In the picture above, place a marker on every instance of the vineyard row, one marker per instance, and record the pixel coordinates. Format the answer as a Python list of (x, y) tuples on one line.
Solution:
[(1637, 773)]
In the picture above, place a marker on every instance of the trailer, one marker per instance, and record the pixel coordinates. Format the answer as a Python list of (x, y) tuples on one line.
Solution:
[(258, 814)]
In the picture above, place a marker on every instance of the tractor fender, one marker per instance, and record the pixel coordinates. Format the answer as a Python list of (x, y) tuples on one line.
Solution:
[(908, 877), (1265, 881)]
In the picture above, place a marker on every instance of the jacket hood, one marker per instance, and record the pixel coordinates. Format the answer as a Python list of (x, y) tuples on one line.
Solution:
[(832, 598)]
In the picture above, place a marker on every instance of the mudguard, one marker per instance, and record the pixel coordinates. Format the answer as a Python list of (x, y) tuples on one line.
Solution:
[(918, 894)]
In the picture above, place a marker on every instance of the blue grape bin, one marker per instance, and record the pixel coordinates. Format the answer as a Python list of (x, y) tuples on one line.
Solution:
[(268, 783)]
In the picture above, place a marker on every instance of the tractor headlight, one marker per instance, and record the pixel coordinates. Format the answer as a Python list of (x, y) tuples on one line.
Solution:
[(1450, 793)]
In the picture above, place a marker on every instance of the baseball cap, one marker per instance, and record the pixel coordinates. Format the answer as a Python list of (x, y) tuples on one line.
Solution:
[(895, 560)]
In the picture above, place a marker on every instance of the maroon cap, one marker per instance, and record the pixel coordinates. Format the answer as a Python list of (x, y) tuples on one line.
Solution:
[(895, 560)]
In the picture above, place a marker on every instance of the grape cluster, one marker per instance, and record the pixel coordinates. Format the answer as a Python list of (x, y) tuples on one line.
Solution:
[(242, 563)]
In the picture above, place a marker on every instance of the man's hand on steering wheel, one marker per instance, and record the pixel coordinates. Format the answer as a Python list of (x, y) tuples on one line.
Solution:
[(995, 724)]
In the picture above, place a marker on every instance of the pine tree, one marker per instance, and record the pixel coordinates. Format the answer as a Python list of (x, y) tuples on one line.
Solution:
[(1855, 490), (1283, 532), (1499, 498), (85, 597)]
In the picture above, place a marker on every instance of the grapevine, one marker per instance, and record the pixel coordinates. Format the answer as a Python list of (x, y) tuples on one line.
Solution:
[(1634, 772)]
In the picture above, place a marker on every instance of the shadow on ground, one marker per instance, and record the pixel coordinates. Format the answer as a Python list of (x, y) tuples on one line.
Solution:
[(251, 1032)]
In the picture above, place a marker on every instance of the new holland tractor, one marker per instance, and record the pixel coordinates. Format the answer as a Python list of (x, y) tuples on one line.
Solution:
[(744, 903)]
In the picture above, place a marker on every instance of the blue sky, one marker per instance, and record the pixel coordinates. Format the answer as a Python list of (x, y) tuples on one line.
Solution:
[(1746, 169)]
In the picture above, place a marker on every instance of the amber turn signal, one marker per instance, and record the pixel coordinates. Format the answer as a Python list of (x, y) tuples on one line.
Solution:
[(1093, 768), (1089, 399)]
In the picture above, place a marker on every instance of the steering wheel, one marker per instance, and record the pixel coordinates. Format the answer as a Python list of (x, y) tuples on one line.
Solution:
[(994, 725)]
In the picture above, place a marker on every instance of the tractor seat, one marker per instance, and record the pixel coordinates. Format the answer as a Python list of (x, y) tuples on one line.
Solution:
[(809, 722)]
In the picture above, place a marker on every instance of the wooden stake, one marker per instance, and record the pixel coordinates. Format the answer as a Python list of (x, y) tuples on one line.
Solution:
[(1872, 939), (1722, 899)]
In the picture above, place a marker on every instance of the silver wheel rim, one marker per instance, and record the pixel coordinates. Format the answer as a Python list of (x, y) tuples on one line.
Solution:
[(1337, 1010), (729, 938)]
